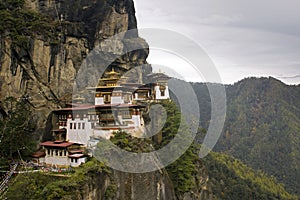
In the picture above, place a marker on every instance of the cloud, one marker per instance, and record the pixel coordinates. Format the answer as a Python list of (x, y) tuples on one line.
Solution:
[(243, 38), (289, 77)]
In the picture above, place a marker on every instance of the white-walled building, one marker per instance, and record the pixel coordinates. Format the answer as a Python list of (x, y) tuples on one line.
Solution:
[(118, 106)]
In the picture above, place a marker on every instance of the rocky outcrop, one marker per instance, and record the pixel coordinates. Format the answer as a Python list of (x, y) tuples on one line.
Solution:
[(202, 189), (152, 186)]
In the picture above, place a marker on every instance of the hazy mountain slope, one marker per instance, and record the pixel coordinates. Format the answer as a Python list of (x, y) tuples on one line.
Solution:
[(232, 179), (262, 127)]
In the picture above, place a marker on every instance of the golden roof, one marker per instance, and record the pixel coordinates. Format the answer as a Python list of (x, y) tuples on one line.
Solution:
[(112, 72)]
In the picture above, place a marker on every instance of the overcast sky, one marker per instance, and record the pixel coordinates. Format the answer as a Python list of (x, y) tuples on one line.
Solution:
[(242, 38)]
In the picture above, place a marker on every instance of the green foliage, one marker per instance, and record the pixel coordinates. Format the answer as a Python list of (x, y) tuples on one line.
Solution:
[(183, 171), (130, 143), (172, 124), (30, 186), (231, 179), (21, 24), (110, 191), (16, 130), (11, 4), (42, 186)]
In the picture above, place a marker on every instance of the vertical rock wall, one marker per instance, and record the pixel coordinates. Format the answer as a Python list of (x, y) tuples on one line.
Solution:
[(44, 73)]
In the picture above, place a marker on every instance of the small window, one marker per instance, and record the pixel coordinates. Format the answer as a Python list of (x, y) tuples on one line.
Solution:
[(60, 153), (56, 152), (71, 159), (65, 153), (93, 125), (75, 160), (48, 151), (83, 125), (106, 98), (71, 125), (74, 125), (79, 125)]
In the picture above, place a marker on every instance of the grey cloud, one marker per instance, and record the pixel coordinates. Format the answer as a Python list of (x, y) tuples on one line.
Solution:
[(254, 37)]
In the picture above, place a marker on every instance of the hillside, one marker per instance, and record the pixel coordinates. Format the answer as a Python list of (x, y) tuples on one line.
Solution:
[(262, 127), (232, 179)]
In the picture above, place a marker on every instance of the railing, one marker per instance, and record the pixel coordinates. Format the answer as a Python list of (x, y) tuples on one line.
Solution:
[(4, 182)]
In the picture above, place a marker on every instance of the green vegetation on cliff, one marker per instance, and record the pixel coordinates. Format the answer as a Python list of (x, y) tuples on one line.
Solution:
[(41, 186), (183, 171), (21, 24), (16, 130)]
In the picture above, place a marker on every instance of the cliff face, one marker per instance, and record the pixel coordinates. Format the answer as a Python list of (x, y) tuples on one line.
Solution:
[(151, 186), (44, 72)]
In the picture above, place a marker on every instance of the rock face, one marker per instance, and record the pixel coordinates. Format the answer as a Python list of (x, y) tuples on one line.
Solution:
[(151, 186), (44, 74)]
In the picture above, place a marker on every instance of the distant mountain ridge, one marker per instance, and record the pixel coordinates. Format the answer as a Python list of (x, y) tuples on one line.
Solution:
[(262, 126)]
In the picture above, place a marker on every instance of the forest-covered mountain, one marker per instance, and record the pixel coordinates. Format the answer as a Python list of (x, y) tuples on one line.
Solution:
[(262, 126), (232, 179)]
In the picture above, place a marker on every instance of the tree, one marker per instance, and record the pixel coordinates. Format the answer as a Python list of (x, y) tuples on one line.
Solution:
[(16, 130)]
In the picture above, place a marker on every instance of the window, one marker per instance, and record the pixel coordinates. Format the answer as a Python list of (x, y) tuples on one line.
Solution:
[(60, 153), (162, 93), (65, 153), (106, 98), (126, 114), (74, 125), (93, 125), (83, 125), (71, 125), (79, 125), (56, 152), (48, 151), (75, 160), (71, 159)]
